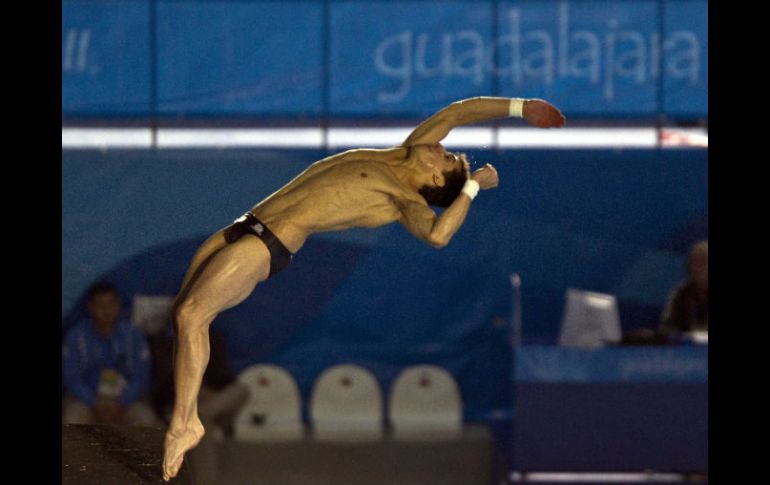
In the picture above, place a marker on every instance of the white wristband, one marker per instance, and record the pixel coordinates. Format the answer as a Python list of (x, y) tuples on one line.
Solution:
[(516, 107), (471, 188)]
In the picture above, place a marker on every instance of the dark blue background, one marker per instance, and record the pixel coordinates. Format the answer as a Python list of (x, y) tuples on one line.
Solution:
[(618, 222)]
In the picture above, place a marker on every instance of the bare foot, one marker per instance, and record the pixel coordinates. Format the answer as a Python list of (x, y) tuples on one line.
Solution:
[(176, 445)]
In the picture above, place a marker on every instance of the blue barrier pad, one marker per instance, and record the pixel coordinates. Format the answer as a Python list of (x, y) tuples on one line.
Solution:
[(647, 364), (611, 427), (611, 409)]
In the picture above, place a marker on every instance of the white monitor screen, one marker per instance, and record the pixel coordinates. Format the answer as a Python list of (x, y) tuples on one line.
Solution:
[(589, 320)]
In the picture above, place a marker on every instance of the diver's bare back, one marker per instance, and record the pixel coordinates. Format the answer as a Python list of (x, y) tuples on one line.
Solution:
[(352, 189)]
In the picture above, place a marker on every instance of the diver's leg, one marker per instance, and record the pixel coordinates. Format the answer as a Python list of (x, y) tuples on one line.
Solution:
[(227, 278)]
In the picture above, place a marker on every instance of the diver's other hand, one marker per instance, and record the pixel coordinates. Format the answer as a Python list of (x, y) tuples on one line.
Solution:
[(486, 176)]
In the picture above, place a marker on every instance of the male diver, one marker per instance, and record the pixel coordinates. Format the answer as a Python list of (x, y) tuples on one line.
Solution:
[(356, 188)]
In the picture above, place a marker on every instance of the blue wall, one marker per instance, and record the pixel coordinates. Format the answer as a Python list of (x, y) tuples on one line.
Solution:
[(611, 221), (305, 60)]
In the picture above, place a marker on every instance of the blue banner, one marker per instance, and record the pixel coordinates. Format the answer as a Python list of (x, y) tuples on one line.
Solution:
[(410, 60), (105, 58), (342, 58), (686, 85), (594, 57), (240, 58)]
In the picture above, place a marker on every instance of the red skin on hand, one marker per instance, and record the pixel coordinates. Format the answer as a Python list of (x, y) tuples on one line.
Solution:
[(542, 114)]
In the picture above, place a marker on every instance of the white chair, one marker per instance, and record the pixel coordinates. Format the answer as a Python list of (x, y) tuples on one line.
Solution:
[(273, 410), (151, 313), (425, 405), (346, 405)]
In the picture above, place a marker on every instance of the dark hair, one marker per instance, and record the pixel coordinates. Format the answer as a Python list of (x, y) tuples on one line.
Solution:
[(101, 287), (695, 248), (444, 196)]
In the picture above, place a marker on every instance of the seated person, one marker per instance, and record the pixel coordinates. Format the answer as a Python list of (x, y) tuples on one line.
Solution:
[(687, 307), (106, 364)]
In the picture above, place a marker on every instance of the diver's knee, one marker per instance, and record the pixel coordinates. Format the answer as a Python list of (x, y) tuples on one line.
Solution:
[(189, 314)]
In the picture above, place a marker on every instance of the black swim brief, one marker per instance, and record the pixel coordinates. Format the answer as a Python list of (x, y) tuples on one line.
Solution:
[(280, 257)]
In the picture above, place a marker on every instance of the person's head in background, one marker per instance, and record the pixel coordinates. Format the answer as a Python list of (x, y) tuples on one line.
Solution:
[(103, 304), (698, 266)]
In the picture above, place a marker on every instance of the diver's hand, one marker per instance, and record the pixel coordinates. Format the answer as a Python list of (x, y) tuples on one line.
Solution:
[(486, 176), (542, 114)]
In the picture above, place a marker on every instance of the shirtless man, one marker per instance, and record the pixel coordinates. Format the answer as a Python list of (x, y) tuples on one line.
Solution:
[(356, 188)]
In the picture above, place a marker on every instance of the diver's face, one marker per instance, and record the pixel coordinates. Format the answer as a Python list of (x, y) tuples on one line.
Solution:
[(436, 155)]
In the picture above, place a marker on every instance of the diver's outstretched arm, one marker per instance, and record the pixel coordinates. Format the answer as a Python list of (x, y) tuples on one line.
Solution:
[(473, 110)]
